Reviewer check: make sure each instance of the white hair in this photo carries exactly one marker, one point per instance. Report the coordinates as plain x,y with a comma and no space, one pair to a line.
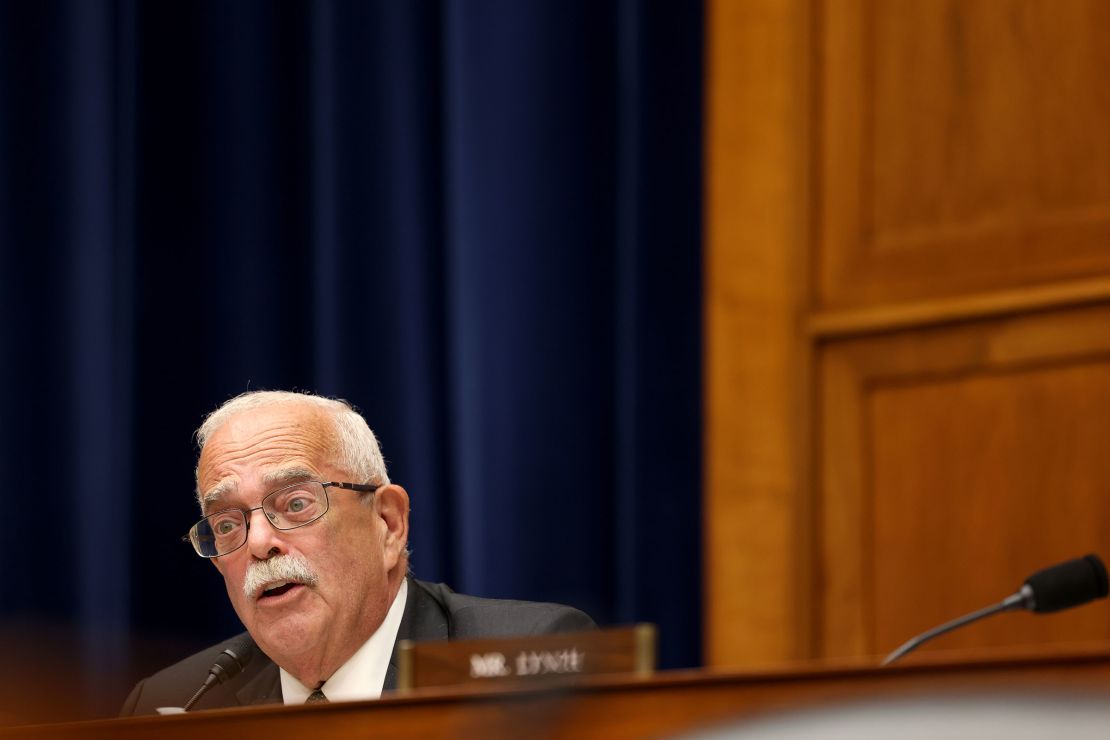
357,447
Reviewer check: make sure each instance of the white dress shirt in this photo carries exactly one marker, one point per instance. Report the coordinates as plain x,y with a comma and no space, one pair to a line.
363,675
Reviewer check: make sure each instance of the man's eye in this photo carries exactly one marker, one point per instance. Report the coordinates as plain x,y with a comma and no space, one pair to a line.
224,527
297,505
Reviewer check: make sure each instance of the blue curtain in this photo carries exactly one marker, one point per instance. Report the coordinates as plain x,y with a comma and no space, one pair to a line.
478,221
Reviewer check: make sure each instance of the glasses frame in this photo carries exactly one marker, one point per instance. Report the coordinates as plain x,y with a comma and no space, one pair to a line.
360,487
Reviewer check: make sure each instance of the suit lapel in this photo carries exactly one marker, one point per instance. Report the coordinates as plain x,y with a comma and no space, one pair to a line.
424,619
263,688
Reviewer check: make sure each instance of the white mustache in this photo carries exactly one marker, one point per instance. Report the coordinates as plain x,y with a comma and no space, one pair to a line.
278,568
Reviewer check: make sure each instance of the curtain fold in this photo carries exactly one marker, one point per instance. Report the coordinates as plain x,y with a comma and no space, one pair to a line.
478,221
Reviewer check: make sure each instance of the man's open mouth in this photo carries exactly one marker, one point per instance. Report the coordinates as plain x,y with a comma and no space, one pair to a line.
277,589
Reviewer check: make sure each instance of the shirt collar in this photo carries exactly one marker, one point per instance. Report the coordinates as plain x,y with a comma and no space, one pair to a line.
363,675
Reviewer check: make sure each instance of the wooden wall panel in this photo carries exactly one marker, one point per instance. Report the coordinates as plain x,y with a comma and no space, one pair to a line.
966,147
957,461
757,523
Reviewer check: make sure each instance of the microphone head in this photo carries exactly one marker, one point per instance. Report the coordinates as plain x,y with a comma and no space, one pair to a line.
1068,584
234,658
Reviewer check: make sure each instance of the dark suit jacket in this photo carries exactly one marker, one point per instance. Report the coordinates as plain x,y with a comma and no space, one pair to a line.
432,612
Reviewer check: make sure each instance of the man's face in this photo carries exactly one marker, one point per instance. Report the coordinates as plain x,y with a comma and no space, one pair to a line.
351,548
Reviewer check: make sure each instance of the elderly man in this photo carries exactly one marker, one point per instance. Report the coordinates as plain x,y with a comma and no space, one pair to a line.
310,537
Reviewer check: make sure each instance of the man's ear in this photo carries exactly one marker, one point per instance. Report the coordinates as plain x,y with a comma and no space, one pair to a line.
392,504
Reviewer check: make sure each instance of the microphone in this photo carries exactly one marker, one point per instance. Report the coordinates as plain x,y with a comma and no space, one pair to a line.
229,664
1062,586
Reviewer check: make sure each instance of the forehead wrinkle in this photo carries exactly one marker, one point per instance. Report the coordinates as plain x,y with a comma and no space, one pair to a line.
270,445
266,452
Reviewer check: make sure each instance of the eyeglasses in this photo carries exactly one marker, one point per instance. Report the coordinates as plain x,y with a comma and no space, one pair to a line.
286,508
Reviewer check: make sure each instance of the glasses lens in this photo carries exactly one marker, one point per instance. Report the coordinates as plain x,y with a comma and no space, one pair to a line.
295,506
219,533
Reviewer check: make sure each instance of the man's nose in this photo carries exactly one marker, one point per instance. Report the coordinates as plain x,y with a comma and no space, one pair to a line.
263,539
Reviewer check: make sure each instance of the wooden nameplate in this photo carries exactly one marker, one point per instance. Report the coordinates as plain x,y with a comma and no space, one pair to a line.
557,657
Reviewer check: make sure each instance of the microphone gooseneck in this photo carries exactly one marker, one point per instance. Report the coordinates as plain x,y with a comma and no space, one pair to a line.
1062,586
229,664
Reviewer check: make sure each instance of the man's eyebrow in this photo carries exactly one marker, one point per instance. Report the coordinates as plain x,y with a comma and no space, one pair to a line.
218,492
294,474
273,479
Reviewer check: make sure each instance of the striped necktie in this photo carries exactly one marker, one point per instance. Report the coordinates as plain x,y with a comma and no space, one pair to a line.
316,696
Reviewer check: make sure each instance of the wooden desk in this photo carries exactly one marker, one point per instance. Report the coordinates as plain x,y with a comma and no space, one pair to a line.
608,707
